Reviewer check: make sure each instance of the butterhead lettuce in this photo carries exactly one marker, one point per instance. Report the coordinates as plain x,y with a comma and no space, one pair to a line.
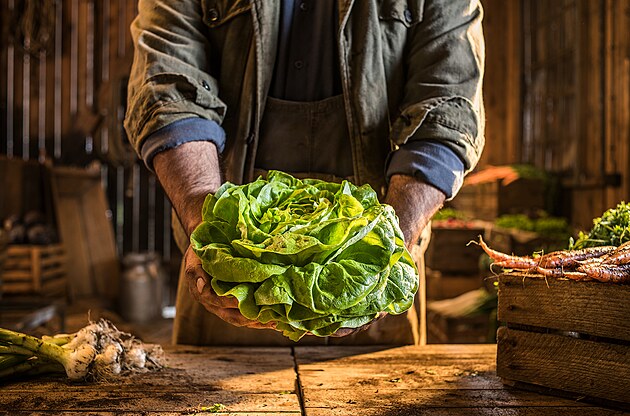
309,255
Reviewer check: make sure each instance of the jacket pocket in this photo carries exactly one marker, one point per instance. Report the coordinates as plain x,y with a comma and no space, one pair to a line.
218,12
407,12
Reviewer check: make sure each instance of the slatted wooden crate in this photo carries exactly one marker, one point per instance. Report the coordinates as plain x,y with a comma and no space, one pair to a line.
571,337
448,251
487,201
34,269
443,329
523,243
3,249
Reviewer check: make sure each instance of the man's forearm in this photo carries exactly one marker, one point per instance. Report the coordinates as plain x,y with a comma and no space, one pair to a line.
188,173
415,202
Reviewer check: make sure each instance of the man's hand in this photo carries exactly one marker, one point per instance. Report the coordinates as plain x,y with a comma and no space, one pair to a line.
188,173
344,332
415,202
225,307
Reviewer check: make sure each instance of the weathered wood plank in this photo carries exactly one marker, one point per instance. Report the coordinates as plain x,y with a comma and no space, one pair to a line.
452,377
197,411
196,367
592,308
161,400
432,379
244,380
432,398
395,410
376,353
261,381
580,366
431,366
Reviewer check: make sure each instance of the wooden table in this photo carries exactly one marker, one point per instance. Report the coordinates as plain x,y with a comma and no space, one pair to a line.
316,381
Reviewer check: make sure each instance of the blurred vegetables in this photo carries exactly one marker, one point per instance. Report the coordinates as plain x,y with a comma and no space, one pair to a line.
546,226
29,229
449,214
452,218
612,228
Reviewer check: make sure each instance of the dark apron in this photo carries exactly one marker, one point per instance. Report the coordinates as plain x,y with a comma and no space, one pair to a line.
318,147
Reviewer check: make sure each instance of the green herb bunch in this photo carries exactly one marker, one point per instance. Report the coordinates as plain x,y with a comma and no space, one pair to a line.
612,228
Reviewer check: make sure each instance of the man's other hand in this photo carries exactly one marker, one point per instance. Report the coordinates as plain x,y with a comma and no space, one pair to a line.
225,307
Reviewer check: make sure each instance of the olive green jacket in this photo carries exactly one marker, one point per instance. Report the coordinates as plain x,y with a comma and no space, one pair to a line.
410,70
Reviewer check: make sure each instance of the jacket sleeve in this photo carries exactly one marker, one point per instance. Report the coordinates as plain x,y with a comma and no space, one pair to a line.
170,77
442,101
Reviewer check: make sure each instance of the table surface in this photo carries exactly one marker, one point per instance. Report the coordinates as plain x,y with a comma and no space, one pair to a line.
316,381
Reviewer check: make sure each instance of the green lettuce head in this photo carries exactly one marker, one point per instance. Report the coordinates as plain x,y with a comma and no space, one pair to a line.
309,255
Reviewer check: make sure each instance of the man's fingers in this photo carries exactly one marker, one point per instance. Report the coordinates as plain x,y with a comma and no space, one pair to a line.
234,317
202,291
225,307
199,284
344,332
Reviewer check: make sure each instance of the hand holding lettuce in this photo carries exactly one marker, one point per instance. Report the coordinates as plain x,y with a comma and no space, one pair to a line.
307,255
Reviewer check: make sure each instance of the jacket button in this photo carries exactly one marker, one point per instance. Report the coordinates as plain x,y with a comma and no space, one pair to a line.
213,15
205,85
408,16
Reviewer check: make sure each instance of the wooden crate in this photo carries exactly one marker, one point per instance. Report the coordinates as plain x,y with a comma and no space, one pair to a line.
34,269
465,319
448,250
487,201
4,240
571,337
443,329
87,233
523,243
445,285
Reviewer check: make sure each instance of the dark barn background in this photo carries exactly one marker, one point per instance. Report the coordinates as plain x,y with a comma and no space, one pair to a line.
557,95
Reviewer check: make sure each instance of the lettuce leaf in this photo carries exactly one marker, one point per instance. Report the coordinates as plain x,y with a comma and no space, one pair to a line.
310,255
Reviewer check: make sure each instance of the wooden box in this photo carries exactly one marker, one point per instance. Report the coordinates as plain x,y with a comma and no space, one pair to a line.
523,243
466,319
4,240
35,270
570,337
448,250
446,286
488,200
442,329
87,233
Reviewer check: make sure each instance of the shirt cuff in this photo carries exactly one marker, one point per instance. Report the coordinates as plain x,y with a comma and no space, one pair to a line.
192,129
433,162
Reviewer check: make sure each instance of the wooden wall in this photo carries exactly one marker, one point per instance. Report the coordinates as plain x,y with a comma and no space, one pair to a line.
502,81
557,95
63,72
576,94
617,98
556,91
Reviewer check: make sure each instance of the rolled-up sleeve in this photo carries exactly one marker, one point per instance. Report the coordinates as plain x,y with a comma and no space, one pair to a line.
170,79
442,102
180,132
432,162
